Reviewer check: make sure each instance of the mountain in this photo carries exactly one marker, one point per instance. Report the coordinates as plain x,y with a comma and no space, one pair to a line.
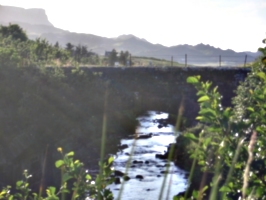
35,22
31,16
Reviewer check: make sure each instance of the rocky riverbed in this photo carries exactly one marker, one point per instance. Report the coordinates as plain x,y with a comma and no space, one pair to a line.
147,166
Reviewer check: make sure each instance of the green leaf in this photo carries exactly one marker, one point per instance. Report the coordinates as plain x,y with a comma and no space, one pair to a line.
19,183
208,84
192,80
214,129
204,98
261,75
207,111
260,191
64,190
195,194
110,160
59,163
199,93
226,112
199,117
88,177
201,162
76,162
71,153
52,190
66,177
207,141
259,129
178,198
261,97
205,188
215,89
250,109
198,77
3,192
224,189
231,185
191,136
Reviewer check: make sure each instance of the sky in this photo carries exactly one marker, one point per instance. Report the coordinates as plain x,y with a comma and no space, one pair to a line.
228,24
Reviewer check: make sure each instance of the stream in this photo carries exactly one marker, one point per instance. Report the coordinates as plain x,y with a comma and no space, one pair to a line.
146,172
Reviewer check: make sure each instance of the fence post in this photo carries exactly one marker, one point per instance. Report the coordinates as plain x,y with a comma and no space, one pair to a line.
172,61
220,60
185,60
245,60
129,60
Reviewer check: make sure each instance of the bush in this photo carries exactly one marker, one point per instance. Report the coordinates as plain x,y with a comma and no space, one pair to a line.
231,142
72,171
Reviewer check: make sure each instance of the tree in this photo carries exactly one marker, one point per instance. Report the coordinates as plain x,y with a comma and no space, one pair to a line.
84,51
112,58
78,53
15,31
123,58
56,45
70,48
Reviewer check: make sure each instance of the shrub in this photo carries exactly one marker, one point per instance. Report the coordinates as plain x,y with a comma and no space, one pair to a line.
230,145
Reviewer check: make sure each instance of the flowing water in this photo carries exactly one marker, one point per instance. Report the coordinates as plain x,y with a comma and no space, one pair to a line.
146,172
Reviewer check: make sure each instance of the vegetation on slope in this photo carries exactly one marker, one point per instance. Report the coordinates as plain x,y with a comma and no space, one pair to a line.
43,108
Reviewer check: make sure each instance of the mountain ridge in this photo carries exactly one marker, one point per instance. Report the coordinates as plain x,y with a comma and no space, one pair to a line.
35,22
17,14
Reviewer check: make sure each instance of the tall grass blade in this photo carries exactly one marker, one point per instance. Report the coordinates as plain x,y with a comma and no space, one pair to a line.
250,158
103,136
232,167
43,172
172,147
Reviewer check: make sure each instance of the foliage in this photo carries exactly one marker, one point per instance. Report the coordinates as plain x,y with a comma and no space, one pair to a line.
72,171
230,145
17,50
37,101
123,58
15,31
112,58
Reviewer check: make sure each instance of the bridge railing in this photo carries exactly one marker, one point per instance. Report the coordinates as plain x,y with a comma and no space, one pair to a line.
187,60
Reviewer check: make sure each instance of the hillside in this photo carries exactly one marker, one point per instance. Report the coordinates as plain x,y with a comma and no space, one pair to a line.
35,22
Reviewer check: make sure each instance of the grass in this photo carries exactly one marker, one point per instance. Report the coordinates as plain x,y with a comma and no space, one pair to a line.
154,62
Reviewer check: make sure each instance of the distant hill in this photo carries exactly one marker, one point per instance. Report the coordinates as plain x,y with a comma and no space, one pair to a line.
30,16
35,22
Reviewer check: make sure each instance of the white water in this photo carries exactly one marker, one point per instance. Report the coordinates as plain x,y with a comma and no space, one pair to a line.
144,150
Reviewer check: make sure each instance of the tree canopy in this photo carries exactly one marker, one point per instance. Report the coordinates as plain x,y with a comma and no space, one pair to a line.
15,31
17,50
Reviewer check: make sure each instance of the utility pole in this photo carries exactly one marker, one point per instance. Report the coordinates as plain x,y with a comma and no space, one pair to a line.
185,60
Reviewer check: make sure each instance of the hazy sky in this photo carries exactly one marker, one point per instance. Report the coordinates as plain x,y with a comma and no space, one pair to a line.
229,24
